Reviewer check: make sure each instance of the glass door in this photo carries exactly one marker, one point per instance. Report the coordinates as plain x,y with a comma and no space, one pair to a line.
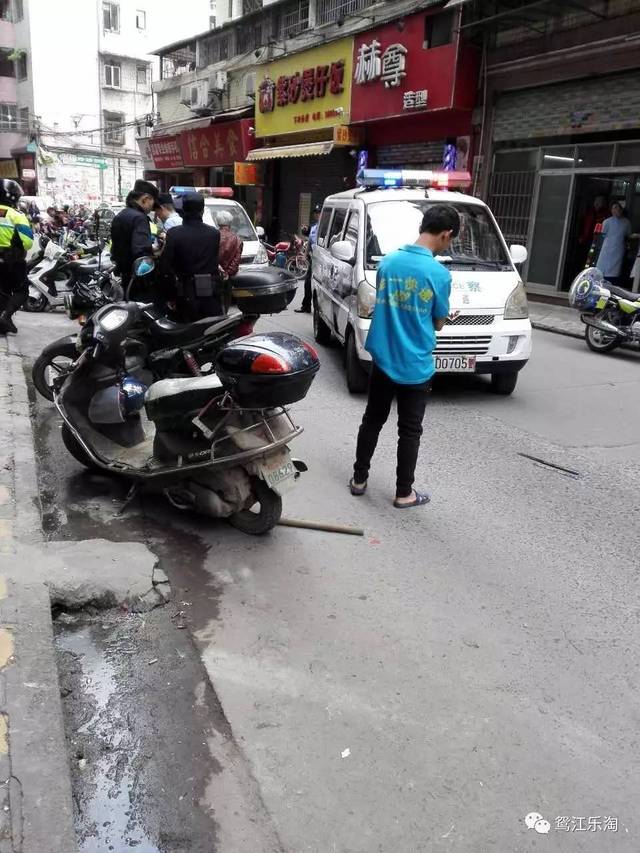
547,240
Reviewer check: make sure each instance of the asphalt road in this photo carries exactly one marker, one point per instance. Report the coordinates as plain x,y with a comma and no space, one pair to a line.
425,687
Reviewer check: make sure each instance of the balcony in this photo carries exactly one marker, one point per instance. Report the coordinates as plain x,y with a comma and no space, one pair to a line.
178,62
251,6
330,11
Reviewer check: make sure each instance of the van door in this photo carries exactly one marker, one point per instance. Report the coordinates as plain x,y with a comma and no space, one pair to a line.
321,263
332,283
346,275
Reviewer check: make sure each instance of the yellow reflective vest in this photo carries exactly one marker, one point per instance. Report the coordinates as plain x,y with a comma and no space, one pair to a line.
13,222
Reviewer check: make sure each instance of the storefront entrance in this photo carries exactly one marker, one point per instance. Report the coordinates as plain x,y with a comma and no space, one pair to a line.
551,200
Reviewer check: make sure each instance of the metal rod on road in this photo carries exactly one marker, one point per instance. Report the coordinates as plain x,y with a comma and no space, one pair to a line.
318,525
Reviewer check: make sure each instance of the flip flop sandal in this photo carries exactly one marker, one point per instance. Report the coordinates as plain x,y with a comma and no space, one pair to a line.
357,491
420,500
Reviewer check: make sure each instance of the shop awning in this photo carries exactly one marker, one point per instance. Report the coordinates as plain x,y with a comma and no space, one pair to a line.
308,149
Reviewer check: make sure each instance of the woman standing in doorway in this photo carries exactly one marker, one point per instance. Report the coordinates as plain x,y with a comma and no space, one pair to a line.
616,230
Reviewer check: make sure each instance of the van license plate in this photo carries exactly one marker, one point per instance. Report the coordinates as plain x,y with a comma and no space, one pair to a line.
455,363
279,473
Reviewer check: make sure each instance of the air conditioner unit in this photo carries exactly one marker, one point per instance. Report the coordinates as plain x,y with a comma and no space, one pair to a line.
250,85
195,95
185,95
218,81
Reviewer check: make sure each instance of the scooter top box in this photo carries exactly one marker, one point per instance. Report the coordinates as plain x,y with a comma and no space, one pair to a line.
267,290
266,370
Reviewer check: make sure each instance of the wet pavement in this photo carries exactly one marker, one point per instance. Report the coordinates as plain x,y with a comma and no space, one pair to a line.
422,688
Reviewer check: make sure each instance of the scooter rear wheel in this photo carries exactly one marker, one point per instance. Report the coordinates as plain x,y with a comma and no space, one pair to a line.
269,509
49,364
35,301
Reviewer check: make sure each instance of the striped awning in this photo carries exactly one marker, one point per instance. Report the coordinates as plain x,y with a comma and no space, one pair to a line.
308,149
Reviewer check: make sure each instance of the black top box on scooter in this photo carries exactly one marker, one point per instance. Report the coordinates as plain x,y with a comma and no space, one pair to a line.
267,370
265,290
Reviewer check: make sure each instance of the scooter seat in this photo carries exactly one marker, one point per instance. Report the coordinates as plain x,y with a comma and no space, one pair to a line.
622,293
174,399
175,333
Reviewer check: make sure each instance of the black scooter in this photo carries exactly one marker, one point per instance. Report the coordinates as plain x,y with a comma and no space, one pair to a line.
215,444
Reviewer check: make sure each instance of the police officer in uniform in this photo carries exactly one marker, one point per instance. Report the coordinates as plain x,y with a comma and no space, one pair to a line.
131,236
190,263
16,238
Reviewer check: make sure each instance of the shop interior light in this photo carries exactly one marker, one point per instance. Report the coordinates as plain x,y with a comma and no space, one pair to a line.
207,192
413,178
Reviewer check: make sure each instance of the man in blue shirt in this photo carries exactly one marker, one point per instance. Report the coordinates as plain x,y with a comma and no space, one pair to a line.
412,304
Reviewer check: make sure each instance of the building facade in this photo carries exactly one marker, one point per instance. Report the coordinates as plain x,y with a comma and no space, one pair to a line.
561,127
70,115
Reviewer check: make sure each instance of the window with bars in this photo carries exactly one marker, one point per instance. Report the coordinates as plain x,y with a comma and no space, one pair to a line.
249,37
22,68
7,67
8,117
5,10
334,10
250,6
111,17
141,20
214,49
18,10
294,18
23,119
112,73
142,76
113,128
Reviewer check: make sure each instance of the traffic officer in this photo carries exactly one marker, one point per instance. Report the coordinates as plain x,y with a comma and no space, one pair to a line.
131,236
16,238
305,307
190,263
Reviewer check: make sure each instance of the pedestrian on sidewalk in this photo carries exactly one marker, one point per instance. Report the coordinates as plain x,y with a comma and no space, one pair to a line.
230,253
616,230
412,304
305,307
16,238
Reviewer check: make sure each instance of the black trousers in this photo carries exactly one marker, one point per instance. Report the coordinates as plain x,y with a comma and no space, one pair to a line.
306,302
14,286
412,401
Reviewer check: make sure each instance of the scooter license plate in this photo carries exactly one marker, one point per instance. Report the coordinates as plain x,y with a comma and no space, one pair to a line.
278,472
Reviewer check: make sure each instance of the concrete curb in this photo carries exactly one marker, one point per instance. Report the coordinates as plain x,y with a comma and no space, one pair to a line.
545,327
37,795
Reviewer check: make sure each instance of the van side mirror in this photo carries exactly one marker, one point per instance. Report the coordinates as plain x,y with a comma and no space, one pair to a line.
342,250
518,254
260,232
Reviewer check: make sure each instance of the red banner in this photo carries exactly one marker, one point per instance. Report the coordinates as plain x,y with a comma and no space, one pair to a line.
165,151
396,74
218,145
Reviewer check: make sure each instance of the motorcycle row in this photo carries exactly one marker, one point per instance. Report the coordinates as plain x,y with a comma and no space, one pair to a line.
197,412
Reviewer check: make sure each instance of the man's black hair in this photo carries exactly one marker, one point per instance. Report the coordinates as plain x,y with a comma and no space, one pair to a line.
440,217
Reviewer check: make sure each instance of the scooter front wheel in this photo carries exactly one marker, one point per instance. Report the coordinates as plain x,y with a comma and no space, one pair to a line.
599,341
53,362
263,515
35,301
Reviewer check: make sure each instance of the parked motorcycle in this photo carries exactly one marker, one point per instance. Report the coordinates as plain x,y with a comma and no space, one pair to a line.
611,314
168,349
214,444
56,272
290,255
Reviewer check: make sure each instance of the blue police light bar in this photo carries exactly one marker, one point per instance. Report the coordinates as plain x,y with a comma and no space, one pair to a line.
208,192
413,178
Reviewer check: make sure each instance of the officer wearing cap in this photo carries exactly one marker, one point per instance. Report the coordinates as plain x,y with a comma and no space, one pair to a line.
305,307
16,238
166,212
190,263
131,236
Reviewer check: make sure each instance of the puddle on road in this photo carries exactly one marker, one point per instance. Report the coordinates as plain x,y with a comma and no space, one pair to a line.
107,816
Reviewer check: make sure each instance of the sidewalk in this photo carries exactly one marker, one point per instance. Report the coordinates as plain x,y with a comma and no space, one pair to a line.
36,813
560,319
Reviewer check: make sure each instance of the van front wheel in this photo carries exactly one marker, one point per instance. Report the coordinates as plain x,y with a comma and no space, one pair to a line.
357,379
504,383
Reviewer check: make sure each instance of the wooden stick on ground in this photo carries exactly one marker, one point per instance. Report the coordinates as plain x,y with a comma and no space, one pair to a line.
318,525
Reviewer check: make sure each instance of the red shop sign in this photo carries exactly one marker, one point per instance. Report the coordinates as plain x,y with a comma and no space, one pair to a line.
394,74
166,152
219,145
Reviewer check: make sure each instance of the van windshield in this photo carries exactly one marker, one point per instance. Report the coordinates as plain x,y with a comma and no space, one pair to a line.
394,223
241,224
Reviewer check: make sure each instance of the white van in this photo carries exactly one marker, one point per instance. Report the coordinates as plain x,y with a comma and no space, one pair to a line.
488,330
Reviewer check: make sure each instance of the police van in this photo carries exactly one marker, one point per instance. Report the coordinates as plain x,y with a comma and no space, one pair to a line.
488,330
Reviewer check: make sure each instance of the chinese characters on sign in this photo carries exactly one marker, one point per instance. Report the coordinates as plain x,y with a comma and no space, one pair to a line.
587,824
301,86
414,100
166,152
390,66
216,145
345,135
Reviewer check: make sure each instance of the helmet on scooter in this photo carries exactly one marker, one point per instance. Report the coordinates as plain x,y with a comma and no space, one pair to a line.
587,289
10,192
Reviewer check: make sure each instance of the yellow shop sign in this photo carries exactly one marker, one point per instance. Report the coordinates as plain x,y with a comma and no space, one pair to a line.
306,91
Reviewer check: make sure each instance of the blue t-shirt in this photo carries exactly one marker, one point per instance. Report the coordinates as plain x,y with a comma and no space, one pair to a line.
413,290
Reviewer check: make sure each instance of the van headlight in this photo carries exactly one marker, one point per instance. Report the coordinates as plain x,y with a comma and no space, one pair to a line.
517,307
261,255
366,300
